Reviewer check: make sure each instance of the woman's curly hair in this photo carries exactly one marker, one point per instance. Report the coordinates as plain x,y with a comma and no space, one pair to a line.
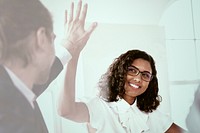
112,82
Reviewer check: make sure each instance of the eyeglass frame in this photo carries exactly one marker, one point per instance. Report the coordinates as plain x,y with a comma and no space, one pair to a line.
139,72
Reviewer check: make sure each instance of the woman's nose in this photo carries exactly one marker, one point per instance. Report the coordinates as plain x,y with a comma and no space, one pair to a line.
138,78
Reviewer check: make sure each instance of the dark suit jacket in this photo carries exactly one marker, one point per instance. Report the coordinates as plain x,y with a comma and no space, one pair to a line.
16,113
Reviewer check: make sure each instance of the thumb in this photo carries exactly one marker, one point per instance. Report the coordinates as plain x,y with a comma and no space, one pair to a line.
91,28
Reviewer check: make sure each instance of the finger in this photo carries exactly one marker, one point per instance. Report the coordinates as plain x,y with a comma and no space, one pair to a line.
91,28
84,13
71,15
78,10
65,21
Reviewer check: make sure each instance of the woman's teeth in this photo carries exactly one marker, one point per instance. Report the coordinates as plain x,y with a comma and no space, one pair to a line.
135,86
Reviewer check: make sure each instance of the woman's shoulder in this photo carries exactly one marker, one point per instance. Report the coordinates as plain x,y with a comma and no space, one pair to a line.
162,117
96,103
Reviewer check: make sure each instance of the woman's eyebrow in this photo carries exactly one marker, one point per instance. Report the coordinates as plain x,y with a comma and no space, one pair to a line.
139,69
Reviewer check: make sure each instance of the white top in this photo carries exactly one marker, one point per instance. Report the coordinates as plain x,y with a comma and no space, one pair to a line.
120,117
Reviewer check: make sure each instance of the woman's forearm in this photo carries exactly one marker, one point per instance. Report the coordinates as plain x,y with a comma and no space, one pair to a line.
68,107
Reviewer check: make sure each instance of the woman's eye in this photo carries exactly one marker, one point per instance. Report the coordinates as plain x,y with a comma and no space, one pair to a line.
132,70
146,75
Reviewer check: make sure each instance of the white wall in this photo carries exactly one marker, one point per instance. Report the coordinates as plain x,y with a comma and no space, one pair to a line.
181,21
169,30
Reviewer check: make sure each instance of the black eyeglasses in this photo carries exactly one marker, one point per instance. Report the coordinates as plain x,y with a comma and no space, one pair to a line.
134,71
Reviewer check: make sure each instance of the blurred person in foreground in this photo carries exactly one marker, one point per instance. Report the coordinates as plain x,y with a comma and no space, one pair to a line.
27,60
193,117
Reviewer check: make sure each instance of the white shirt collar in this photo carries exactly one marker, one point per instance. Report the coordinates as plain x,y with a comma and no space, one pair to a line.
30,96
131,118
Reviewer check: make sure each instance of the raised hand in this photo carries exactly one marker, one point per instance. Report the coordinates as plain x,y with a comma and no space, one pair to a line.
76,36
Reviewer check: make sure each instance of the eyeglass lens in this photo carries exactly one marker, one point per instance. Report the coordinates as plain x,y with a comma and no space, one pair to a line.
134,71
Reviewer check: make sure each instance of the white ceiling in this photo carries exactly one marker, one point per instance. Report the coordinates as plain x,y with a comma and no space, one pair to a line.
145,12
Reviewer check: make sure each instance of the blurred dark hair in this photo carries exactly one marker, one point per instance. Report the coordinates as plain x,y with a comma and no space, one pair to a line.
112,82
19,22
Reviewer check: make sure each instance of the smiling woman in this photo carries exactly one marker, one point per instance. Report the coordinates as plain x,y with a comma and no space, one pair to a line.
117,81
127,102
